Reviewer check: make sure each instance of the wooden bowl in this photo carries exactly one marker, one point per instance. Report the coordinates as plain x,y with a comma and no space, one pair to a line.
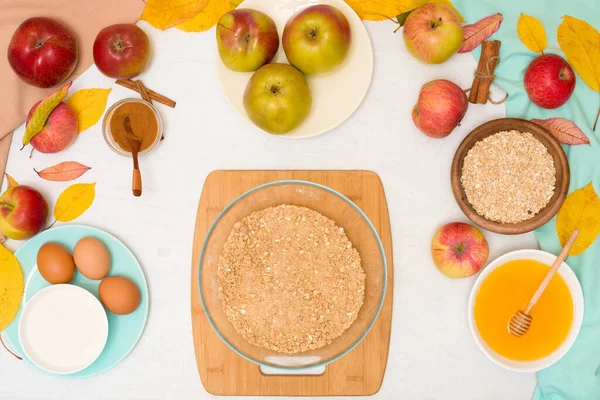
560,164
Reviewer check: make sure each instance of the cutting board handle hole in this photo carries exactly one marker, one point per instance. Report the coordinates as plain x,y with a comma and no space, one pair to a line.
311,371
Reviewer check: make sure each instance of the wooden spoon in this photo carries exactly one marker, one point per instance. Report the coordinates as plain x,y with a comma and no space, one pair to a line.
520,322
135,143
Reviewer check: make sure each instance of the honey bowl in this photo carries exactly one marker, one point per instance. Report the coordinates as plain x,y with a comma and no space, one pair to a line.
505,286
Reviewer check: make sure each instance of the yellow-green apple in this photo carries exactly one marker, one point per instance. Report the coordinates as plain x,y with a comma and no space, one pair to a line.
440,108
549,81
23,212
247,39
459,250
277,98
59,131
122,51
42,52
433,33
317,39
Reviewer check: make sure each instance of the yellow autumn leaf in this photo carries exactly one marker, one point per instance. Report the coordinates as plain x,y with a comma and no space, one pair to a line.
163,14
379,10
235,3
581,210
11,182
88,105
73,201
532,33
207,18
581,44
12,285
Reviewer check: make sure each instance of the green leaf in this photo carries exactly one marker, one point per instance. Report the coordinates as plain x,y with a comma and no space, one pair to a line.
42,111
401,18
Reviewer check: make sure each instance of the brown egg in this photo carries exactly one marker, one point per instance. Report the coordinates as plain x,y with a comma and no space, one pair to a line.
119,295
55,263
92,258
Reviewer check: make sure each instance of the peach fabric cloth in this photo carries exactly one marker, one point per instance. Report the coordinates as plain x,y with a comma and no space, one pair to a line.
84,17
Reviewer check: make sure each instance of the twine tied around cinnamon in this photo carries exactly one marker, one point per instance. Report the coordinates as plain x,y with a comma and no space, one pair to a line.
479,93
489,75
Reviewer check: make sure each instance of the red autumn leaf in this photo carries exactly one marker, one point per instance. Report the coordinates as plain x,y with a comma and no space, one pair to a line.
475,34
563,130
63,172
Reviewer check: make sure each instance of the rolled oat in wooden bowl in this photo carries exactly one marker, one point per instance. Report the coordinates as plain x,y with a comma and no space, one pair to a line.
510,176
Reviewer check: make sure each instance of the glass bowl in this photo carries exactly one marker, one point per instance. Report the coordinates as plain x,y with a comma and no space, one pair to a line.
333,205
108,137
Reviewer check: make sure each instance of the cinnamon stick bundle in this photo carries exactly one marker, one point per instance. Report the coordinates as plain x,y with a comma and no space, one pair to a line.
139,87
484,76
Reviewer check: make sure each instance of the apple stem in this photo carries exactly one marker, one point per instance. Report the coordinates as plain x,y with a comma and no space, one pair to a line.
7,349
6,205
596,122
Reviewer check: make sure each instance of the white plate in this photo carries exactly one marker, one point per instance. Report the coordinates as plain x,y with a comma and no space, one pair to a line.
63,329
576,293
336,95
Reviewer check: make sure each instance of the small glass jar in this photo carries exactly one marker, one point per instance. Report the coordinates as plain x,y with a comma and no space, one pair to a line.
108,137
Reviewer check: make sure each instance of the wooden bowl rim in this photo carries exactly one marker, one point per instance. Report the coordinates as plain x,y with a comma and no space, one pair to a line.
561,165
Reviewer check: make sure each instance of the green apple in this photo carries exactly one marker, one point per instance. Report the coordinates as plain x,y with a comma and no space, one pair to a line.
247,39
317,39
433,33
277,98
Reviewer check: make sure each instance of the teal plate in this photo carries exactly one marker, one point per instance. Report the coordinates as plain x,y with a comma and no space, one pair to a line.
124,331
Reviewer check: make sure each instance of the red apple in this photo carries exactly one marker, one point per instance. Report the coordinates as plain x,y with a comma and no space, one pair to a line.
60,129
23,212
549,81
317,39
440,108
432,33
459,250
122,51
42,52
247,39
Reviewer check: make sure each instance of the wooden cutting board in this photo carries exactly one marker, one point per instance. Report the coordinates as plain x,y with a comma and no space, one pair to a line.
358,373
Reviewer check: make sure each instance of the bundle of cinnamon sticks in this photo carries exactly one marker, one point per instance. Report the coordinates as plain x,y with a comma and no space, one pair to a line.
147,94
484,76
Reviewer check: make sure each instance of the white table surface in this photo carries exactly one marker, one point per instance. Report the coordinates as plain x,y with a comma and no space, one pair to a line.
432,354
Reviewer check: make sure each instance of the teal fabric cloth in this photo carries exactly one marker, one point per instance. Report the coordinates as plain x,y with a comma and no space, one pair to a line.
577,375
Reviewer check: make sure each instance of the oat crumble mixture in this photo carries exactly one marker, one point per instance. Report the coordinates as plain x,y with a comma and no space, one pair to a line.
509,176
289,279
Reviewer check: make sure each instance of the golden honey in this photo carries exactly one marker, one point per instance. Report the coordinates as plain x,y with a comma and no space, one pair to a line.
507,289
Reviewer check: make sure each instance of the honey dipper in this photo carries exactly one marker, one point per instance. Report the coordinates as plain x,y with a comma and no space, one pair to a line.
520,322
